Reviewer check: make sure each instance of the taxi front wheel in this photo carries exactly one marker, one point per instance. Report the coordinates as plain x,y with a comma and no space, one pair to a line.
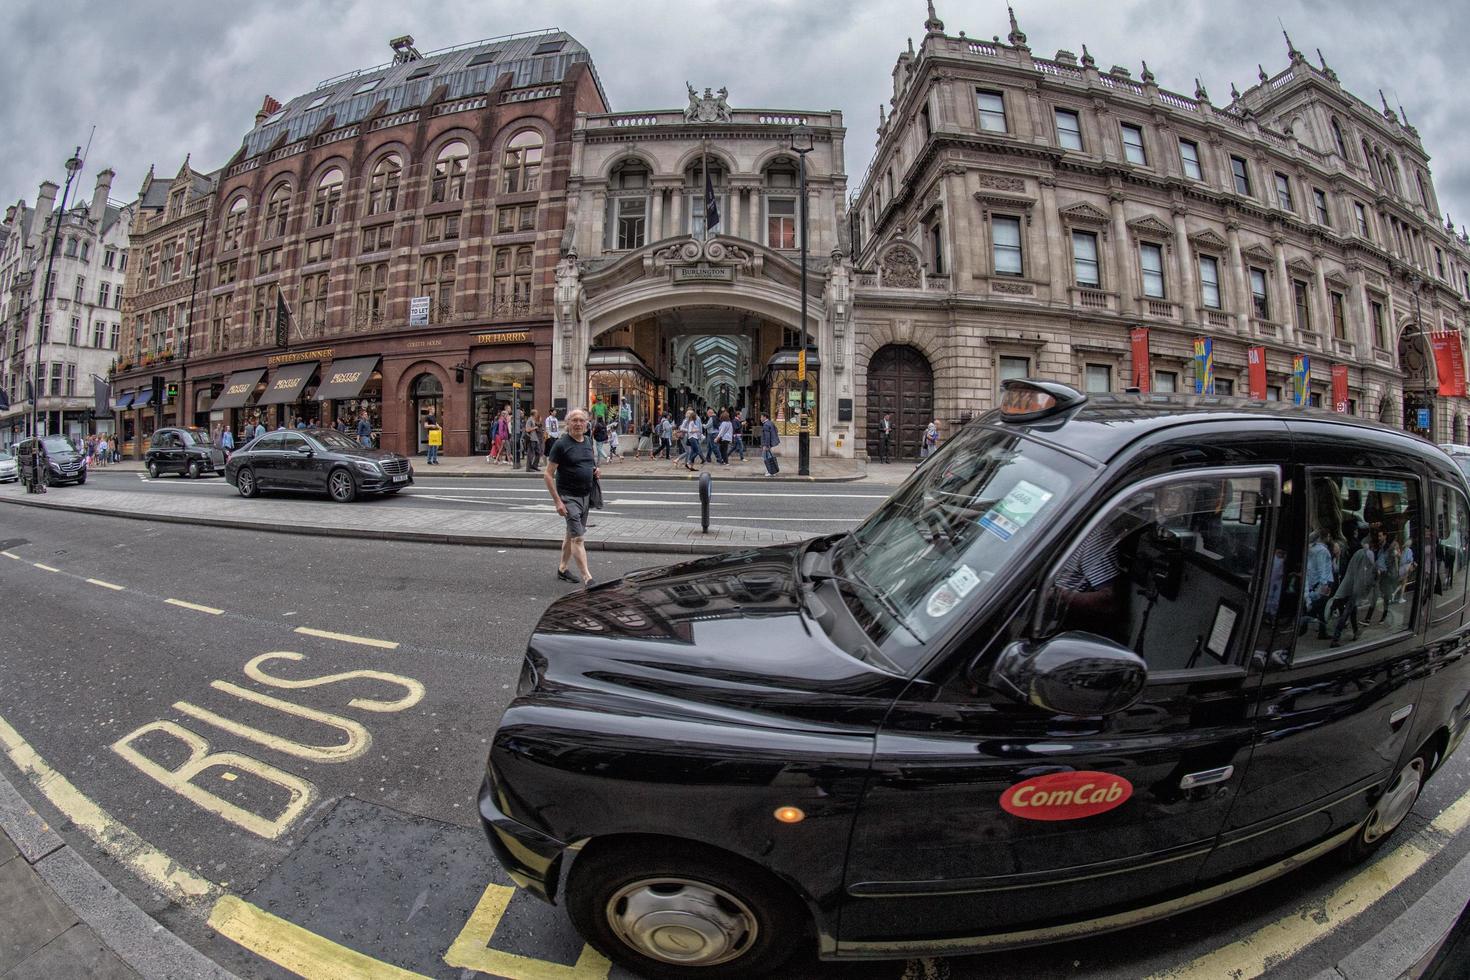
1392,807
671,909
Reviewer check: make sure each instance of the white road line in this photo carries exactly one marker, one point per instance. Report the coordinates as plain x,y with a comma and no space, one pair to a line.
45,568
722,518
9,555
105,585
366,641
416,489
194,606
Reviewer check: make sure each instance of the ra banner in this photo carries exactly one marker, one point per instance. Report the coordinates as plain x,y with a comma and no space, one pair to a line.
1339,389
1142,371
1204,371
1256,361
1449,362
1301,379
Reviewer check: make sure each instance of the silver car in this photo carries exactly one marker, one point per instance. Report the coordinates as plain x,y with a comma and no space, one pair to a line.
9,468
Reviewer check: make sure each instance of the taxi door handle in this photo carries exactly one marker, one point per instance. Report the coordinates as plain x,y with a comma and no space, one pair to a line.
1207,777
1397,718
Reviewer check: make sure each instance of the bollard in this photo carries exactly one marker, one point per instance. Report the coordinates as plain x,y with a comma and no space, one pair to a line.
706,487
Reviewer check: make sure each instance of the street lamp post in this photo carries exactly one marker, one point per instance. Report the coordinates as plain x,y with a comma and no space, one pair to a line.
72,166
801,142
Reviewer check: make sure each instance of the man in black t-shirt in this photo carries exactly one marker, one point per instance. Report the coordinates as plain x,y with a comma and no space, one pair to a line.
571,467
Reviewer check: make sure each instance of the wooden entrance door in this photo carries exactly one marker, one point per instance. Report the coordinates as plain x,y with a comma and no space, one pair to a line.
899,381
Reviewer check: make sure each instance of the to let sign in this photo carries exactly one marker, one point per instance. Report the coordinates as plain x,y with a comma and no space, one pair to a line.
418,311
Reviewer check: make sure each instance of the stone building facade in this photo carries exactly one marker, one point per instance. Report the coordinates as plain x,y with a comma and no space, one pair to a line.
161,297
1023,216
79,322
653,312
408,218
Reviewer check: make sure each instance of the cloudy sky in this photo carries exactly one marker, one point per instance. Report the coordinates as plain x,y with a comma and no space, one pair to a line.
159,80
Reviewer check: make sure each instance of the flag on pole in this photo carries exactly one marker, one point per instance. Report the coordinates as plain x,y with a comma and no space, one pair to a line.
1204,372
283,320
711,206
101,397
4,401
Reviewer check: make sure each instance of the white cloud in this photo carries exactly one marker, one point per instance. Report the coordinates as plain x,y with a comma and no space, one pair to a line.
162,80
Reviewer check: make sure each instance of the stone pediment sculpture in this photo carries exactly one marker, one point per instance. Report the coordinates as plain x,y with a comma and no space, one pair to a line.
1083,213
1259,253
1301,267
1208,240
899,267
710,107
693,254
1150,227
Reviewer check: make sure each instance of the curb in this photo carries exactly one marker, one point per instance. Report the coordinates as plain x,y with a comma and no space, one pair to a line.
522,474
423,537
134,937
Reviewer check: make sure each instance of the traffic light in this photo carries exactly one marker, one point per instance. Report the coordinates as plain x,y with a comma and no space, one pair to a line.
157,389
173,391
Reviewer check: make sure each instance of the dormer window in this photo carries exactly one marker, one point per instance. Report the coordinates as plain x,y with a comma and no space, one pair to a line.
316,103
367,87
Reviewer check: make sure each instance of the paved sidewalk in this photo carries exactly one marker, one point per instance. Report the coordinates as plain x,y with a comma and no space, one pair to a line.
367,519
824,469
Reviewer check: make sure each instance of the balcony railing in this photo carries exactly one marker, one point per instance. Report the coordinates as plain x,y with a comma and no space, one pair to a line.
1344,348
1218,320
1160,308
1265,329
1092,299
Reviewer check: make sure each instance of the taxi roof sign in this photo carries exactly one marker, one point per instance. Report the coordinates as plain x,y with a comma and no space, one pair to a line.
1028,399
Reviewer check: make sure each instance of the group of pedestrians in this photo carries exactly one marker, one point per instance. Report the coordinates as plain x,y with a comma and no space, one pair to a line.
1342,575
99,450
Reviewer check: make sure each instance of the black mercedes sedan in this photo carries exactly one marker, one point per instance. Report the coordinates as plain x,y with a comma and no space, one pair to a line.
316,461
186,451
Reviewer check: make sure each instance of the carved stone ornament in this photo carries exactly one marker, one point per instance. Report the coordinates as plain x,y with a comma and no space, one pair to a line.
1150,227
1300,267
899,267
1083,213
710,107
1000,182
691,252
1259,254
1207,241
1014,288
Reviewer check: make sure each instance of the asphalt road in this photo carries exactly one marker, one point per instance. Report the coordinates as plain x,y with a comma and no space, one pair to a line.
741,503
345,803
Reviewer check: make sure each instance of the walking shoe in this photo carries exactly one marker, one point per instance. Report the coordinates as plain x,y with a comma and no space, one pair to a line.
565,575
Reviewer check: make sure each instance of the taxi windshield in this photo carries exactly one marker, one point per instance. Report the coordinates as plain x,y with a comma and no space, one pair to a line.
199,437
930,551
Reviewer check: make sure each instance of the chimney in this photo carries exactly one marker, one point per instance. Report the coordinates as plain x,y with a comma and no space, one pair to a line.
45,203
267,108
99,196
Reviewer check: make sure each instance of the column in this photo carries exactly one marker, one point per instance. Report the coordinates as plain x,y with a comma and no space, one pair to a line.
1054,271
1324,304
1288,299
1184,265
656,216
1240,281
599,222
1122,257
676,198
1363,319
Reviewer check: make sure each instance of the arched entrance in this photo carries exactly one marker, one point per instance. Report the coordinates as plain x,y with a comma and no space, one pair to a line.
1420,383
428,399
899,381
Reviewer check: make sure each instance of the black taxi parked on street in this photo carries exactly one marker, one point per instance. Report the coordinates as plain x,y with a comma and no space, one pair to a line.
1101,659
188,452
316,461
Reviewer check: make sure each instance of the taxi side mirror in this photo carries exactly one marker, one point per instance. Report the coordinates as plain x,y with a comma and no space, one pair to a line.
1073,673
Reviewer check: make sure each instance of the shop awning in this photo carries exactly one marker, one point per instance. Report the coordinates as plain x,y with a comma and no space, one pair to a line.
142,398
238,389
346,378
617,359
288,384
123,401
786,358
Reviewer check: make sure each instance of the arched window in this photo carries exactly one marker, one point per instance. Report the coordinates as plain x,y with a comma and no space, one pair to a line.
449,173
1370,163
234,226
522,164
781,179
628,206
328,198
383,185
277,211
436,281
1337,139
372,295
510,292
313,303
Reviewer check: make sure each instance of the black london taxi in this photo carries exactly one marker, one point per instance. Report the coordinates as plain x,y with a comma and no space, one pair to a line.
316,461
185,450
1100,660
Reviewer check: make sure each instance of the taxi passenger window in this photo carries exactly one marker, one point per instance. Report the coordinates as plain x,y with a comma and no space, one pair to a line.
1451,549
1171,570
1362,566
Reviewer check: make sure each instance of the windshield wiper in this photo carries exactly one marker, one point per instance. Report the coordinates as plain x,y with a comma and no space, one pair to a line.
888,604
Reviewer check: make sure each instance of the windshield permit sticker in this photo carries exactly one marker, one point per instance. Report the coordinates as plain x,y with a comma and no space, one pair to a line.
963,581
942,601
1066,795
1015,510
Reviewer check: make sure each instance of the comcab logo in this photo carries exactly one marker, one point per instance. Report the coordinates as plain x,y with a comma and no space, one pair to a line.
1066,795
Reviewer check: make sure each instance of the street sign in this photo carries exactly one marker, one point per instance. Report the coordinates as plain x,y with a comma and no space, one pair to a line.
801,366
516,385
1423,418
418,311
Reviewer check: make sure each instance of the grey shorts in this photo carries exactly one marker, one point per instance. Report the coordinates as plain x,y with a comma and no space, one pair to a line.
576,515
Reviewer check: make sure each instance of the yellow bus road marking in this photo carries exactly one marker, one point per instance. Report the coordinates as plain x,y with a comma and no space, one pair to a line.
471,949
105,585
366,641
1266,948
194,606
147,862
296,949
45,568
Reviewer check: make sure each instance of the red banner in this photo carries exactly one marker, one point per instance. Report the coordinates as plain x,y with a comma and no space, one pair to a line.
1449,362
1142,373
1256,374
1339,389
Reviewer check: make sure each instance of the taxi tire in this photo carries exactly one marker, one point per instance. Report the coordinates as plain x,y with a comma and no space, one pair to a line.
1360,848
152,470
193,472
601,870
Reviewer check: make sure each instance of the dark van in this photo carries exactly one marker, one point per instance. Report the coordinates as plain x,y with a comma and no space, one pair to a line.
59,460
1100,660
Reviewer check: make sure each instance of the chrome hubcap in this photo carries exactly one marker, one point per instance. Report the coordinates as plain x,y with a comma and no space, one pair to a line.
1397,801
341,485
247,482
688,923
